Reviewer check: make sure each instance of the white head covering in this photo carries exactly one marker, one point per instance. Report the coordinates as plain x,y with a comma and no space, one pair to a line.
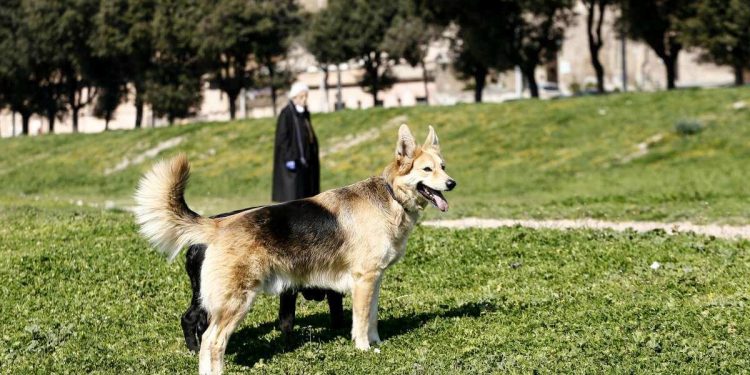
298,88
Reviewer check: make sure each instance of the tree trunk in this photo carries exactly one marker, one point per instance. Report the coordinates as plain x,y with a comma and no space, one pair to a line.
325,87
170,119
599,70
424,80
595,40
528,73
138,106
480,77
232,104
739,77
25,117
74,115
106,124
375,85
273,88
670,63
51,120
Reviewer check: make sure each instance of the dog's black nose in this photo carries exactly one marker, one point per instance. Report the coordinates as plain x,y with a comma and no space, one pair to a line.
451,184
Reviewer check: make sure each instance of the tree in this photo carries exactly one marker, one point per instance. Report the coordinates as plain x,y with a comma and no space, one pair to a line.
323,40
173,84
226,43
467,65
530,34
277,21
362,26
475,48
409,38
17,84
78,61
533,35
123,34
62,29
111,70
657,23
595,11
721,31
29,79
107,101
139,49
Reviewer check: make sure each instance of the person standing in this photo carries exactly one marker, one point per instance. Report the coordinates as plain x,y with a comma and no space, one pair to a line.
296,168
296,175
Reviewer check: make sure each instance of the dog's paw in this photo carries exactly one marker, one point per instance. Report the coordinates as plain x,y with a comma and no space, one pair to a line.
362,345
374,339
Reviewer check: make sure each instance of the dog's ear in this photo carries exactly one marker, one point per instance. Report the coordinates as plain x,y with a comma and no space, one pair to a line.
432,140
406,145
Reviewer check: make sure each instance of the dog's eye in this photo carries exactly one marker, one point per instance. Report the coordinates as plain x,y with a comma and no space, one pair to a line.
427,169
443,166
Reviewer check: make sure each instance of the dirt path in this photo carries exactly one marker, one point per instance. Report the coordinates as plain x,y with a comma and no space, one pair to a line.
720,231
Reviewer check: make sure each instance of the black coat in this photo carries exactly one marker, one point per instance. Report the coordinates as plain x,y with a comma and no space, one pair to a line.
295,140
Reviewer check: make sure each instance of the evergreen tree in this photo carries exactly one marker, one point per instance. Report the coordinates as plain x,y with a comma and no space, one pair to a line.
277,22
322,39
173,84
123,37
410,35
721,31
226,44
657,23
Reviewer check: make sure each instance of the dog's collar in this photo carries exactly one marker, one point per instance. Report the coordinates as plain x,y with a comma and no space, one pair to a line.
390,191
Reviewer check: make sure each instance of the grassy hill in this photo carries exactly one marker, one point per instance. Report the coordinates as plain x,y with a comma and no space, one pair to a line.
82,292
580,157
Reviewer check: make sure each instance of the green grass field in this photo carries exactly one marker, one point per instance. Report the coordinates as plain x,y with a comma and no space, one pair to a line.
83,293
556,159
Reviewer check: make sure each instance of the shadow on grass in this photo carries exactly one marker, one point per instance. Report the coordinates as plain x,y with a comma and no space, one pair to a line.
249,349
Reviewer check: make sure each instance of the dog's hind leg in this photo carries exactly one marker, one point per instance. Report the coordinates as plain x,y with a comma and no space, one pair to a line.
363,292
224,320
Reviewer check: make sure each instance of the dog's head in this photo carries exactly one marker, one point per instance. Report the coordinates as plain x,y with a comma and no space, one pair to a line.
418,173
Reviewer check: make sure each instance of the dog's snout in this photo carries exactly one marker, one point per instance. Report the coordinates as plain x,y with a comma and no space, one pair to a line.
451,184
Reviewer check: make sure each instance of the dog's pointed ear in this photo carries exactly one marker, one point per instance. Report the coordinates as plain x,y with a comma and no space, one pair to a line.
406,144
432,139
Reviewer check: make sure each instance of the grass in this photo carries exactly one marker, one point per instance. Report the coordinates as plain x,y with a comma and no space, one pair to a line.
557,159
83,293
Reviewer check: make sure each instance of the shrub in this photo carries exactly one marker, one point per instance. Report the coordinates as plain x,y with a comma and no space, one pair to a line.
688,127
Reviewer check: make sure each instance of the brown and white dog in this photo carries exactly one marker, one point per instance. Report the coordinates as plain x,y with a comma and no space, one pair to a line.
342,239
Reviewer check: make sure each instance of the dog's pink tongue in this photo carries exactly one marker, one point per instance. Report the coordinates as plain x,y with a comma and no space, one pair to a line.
441,203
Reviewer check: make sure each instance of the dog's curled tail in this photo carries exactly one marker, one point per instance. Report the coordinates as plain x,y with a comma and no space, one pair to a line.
161,211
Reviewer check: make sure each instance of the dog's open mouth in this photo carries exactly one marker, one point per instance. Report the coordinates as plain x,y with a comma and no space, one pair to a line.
435,197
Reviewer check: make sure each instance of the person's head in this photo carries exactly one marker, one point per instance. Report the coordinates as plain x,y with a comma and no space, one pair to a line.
298,93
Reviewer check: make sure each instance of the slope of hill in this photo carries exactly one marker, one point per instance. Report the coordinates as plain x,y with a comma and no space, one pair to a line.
613,157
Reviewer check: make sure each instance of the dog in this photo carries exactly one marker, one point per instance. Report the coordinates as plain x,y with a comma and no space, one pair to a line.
195,319
342,239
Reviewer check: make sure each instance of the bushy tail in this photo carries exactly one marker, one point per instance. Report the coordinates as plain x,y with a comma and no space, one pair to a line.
161,211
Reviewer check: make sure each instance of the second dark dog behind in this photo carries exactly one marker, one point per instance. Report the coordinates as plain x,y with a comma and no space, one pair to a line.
195,320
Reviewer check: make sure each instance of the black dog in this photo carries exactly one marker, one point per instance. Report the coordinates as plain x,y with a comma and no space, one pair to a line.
195,320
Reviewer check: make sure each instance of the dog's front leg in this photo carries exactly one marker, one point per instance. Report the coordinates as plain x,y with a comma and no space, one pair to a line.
372,332
363,292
